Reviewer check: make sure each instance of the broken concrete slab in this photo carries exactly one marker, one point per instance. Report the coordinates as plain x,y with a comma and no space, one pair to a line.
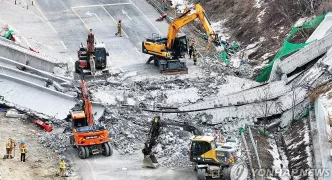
98,110
23,75
27,57
301,57
15,65
35,97
322,29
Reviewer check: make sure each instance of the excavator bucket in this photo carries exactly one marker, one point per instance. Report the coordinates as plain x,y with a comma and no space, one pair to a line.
150,161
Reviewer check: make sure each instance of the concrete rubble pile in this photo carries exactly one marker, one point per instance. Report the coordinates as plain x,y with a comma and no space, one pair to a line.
211,65
128,124
56,141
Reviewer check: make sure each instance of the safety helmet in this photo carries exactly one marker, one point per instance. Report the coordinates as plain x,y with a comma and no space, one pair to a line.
63,157
22,141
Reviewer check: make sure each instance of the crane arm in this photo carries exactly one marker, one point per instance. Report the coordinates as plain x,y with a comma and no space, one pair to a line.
204,20
206,24
176,25
186,18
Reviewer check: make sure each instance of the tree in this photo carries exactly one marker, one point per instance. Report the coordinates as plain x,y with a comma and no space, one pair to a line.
263,106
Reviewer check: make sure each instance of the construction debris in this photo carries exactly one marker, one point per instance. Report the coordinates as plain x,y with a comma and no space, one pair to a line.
13,113
57,142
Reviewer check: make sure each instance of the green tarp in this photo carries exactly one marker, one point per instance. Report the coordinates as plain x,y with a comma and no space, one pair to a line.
289,47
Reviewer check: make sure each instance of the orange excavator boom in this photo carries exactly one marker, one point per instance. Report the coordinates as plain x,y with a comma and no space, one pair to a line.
87,104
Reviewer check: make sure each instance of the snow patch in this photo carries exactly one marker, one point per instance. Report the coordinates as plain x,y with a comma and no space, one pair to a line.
258,4
300,22
220,29
181,5
260,15
277,162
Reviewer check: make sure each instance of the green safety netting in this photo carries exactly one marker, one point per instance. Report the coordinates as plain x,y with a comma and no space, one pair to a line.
228,50
224,57
264,132
288,47
7,36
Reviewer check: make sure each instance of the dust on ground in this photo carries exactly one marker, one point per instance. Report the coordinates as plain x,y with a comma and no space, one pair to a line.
41,162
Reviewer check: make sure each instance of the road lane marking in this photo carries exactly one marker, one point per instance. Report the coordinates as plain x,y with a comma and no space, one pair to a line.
114,20
98,5
98,17
45,18
63,44
87,27
146,17
138,51
91,14
125,13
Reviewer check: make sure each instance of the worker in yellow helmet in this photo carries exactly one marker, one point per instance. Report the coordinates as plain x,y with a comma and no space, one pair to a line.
23,150
10,145
62,167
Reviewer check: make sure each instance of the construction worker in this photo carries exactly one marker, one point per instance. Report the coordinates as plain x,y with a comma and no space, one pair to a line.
10,145
62,167
91,41
119,29
195,56
23,150
91,37
191,48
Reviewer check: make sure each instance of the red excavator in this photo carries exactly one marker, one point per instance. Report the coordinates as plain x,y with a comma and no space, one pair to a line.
89,136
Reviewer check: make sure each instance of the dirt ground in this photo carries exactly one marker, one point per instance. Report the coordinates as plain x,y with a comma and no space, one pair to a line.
41,162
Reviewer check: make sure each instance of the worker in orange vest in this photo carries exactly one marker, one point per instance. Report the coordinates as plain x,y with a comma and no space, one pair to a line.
23,151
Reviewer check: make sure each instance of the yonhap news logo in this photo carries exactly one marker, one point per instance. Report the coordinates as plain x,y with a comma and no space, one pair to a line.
292,172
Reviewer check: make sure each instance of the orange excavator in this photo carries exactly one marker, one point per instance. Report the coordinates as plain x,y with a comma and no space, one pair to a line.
88,136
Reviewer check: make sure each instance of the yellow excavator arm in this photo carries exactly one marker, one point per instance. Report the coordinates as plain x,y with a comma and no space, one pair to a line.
186,18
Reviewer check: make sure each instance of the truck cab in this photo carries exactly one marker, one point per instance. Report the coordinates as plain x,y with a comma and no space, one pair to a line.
100,56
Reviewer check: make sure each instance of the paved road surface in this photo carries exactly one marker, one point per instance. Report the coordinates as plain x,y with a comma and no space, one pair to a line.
124,167
71,20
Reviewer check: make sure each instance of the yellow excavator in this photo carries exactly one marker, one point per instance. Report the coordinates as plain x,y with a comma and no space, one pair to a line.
210,159
167,52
